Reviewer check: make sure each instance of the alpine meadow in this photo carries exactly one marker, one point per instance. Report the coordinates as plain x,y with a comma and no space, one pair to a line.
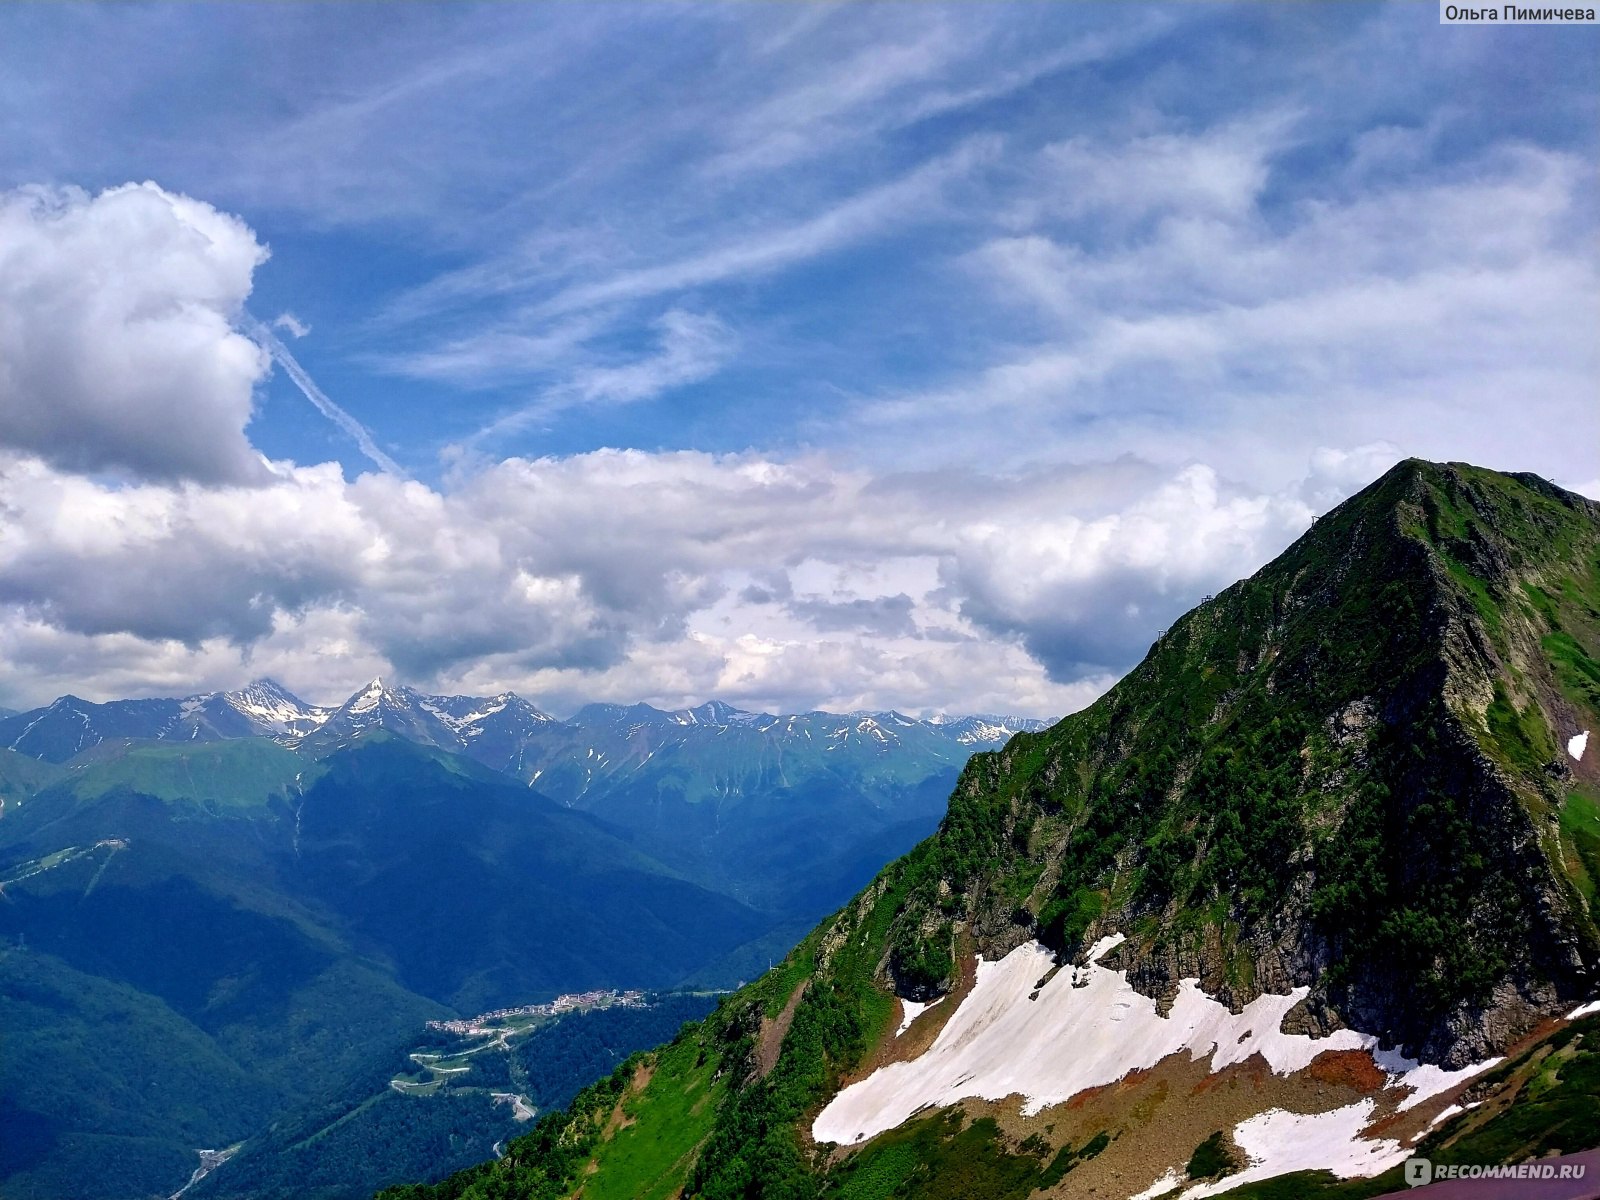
799,602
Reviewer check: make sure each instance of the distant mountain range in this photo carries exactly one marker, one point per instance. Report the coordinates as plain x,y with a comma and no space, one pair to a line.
789,813
215,908
496,730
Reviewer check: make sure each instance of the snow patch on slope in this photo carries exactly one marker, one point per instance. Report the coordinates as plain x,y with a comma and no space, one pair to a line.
1088,1027
1577,744
1448,1111
1424,1079
367,699
1160,1187
1105,946
910,1010
1278,1142
461,725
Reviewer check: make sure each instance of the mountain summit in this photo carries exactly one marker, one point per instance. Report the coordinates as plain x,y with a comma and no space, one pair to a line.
71,726
1315,879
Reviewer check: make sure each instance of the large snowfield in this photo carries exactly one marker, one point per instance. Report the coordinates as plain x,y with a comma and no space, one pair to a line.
1088,1027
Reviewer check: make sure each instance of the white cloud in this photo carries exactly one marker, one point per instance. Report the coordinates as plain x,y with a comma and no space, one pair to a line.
851,220
554,337
117,349
491,357
1410,312
1219,171
1087,595
690,347
841,98
291,324
1191,289
175,562
621,574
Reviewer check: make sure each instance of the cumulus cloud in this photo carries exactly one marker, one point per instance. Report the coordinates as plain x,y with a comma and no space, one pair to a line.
175,562
1085,595
882,616
618,574
1258,302
117,348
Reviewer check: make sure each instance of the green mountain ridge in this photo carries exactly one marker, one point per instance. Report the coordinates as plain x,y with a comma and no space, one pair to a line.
1365,802
244,772
1347,773
751,804
282,909
269,926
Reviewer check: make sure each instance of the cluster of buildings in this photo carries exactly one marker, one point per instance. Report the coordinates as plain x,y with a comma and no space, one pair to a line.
567,1002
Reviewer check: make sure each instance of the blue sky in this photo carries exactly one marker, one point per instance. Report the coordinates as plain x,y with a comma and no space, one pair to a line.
1009,330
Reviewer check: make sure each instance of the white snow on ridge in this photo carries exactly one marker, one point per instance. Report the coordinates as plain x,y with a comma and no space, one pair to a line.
983,732
368,698
1584,1010
1577,744
268,705
1277,1142
457,724
983,729
1088,1027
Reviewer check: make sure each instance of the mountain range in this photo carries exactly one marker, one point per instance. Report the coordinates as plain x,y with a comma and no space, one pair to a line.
788,813
1309,892
500,731
217,911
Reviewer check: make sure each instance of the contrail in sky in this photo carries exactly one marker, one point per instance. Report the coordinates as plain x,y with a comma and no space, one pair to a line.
274,346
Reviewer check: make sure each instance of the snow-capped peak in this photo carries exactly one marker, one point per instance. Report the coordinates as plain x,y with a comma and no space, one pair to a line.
465,715
368,698
716,712
269,706
984,728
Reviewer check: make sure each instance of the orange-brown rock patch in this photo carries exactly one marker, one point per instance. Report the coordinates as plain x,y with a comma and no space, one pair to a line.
1348,1068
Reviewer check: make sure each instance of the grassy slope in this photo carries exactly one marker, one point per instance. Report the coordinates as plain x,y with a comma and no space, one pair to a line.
21,777
1316,742
648,1154
241,773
